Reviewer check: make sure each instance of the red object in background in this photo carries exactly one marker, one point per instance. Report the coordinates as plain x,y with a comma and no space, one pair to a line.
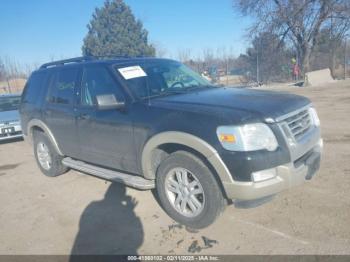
296,70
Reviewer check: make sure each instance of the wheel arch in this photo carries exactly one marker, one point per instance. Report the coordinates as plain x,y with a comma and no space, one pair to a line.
36,124
152,153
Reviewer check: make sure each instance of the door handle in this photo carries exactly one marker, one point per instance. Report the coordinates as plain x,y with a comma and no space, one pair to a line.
84,116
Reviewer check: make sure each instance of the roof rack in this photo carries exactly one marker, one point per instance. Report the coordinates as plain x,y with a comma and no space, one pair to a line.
68,61
86,58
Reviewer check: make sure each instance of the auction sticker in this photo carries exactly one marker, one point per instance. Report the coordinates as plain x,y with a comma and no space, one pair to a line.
132,72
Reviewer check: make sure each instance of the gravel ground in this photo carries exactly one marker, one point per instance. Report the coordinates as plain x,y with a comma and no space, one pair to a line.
77,213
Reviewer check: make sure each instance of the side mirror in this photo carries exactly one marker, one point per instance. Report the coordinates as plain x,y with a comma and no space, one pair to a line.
109,101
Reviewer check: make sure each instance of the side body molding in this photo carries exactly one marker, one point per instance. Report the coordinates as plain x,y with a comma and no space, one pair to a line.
187,140
38,123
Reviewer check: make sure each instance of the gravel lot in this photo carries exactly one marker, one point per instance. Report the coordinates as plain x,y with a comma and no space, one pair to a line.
77,213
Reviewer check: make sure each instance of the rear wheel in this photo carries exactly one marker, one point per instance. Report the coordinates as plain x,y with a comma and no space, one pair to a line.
188,191
47,158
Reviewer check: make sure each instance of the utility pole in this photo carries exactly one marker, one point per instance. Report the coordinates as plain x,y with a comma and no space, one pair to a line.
8,85
226,61
345,58
257,65
257,60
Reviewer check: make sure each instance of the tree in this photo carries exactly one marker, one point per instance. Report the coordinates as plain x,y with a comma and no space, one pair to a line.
114,31
263,61
297,21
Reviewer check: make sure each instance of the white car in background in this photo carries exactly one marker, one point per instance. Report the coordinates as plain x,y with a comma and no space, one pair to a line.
10,126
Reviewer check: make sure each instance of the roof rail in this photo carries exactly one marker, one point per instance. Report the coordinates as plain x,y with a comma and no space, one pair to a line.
68,61
118,56
87,58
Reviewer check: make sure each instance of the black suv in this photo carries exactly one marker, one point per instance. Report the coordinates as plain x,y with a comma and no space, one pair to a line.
154,123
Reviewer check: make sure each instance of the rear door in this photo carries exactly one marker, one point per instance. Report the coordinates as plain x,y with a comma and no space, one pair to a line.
59,111
32,98
105,136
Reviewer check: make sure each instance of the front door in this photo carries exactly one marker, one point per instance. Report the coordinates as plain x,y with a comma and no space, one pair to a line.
105,136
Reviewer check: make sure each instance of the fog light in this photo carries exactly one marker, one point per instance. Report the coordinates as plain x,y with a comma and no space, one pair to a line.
264,175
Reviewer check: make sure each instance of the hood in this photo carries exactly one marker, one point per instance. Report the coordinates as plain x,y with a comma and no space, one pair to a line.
264,104
7,116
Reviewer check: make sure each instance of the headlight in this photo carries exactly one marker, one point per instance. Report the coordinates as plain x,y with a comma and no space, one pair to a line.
314,116
248,137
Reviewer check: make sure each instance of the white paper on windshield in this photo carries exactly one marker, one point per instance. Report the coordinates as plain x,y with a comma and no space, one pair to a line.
132,72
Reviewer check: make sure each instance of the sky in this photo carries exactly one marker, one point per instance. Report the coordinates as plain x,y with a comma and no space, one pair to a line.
37,31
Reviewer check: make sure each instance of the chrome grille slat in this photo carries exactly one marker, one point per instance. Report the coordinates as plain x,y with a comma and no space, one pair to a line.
301,131
296,127
297,119
298,123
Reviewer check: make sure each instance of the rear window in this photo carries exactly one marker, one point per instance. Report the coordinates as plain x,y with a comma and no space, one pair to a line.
62,84
33,88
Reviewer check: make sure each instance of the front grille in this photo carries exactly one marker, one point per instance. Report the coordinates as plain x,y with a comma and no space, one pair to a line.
299,123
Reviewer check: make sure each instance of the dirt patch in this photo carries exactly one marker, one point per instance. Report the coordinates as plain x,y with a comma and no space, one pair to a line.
342,139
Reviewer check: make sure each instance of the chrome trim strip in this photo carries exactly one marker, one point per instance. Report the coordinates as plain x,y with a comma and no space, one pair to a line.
284,117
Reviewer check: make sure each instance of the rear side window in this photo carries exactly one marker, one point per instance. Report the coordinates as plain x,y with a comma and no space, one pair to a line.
62,84
33,88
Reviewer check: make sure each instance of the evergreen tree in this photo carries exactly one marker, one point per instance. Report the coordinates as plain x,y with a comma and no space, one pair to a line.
114,31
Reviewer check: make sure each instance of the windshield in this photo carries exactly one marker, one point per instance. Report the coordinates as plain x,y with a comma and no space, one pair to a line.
157,78
9,103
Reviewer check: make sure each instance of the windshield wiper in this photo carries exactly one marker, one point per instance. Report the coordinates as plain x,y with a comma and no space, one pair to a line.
168,92
165,93
200,86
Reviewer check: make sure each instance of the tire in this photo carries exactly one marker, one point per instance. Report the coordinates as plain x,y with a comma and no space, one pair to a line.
53,166
211,199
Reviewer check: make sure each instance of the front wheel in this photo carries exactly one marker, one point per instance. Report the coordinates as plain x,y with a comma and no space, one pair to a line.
188,191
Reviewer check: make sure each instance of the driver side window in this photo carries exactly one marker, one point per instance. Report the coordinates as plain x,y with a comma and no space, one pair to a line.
97,80
172,77
175,77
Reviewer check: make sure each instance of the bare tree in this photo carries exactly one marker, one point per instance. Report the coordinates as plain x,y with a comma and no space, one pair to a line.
337,32
2,71
161,51
10,68
299,21
29,68
184,55
265,62
208,56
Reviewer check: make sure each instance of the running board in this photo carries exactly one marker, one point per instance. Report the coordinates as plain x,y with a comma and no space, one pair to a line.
115,176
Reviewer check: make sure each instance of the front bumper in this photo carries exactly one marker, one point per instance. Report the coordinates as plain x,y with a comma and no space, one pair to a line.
3,138
287,176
